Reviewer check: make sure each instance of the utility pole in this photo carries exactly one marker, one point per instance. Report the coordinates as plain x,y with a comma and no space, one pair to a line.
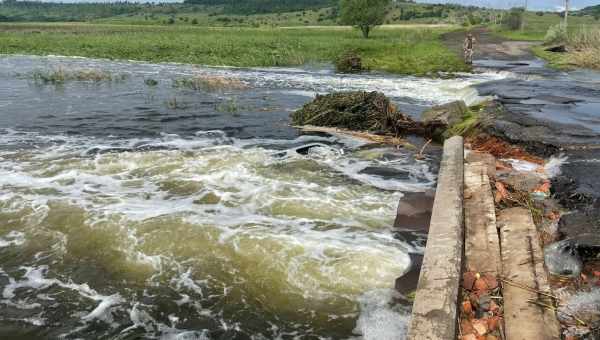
566,12
524,15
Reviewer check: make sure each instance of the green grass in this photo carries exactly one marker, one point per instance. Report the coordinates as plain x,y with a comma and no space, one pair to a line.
469,122
554,60
61,76
417,51
583,47
536,26
213,18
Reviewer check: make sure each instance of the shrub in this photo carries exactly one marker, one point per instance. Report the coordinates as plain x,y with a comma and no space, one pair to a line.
514,19
348,62
556,34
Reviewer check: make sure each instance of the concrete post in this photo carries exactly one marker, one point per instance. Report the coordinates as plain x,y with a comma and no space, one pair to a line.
434,314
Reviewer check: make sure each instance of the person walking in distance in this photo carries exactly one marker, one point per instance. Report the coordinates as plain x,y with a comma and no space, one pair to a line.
468,48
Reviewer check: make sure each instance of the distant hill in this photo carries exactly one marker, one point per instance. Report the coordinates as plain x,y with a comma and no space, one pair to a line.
264,6
250,13
591,10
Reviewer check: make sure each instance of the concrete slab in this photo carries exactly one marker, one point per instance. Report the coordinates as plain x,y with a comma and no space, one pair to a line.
434,315
523,264
482,244
485,158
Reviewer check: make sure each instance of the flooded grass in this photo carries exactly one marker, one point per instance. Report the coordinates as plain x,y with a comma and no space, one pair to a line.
416,51
151,82
61,76
228,106
209,83
176,104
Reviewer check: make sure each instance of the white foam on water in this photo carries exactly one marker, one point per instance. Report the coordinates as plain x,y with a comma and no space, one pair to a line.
13,238
521,165
378,320
321,226
553,165
35,278
256,196
429,91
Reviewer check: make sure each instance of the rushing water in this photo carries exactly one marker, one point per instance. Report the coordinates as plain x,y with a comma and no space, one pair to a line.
125,215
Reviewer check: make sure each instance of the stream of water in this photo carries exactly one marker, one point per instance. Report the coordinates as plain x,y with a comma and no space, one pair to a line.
130,210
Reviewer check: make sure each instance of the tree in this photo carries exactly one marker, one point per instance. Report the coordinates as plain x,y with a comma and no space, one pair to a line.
514,19
364,14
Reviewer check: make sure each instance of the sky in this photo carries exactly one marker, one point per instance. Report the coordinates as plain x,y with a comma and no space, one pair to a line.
550,5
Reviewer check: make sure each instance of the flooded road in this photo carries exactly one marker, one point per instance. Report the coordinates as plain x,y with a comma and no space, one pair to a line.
134,208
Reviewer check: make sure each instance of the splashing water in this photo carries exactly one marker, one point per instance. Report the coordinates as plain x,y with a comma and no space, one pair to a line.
122,217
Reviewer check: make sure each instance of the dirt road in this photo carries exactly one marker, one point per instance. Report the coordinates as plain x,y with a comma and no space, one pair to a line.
489,46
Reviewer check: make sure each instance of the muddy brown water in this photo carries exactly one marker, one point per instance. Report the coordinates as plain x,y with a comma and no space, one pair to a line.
132,210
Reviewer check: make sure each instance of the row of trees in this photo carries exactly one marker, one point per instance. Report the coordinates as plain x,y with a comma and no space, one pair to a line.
263,6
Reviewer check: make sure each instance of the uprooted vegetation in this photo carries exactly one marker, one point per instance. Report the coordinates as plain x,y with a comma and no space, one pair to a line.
210,83
360,111
61,76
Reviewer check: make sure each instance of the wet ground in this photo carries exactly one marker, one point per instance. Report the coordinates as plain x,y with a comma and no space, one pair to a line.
554,113
489,46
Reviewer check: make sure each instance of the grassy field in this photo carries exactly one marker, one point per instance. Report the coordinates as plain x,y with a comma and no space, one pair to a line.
192,16
416,51
582,39
536,26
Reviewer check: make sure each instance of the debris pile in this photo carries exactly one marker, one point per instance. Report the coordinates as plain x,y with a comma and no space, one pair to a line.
501,149
481,309
360,111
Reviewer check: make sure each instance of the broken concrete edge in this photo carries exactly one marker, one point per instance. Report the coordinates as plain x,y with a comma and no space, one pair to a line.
482,245
434,313
523,265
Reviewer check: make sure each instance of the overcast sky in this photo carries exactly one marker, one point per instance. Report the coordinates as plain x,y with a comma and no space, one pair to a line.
532,4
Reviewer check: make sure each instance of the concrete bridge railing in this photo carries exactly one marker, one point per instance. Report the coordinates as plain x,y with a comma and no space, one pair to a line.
434,312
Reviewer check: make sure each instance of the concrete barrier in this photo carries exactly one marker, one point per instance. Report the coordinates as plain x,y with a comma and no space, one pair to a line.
434,314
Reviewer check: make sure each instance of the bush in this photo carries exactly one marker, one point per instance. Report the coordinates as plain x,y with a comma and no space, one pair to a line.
514,19
474,20
348,62
556,34
539,14
194,21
